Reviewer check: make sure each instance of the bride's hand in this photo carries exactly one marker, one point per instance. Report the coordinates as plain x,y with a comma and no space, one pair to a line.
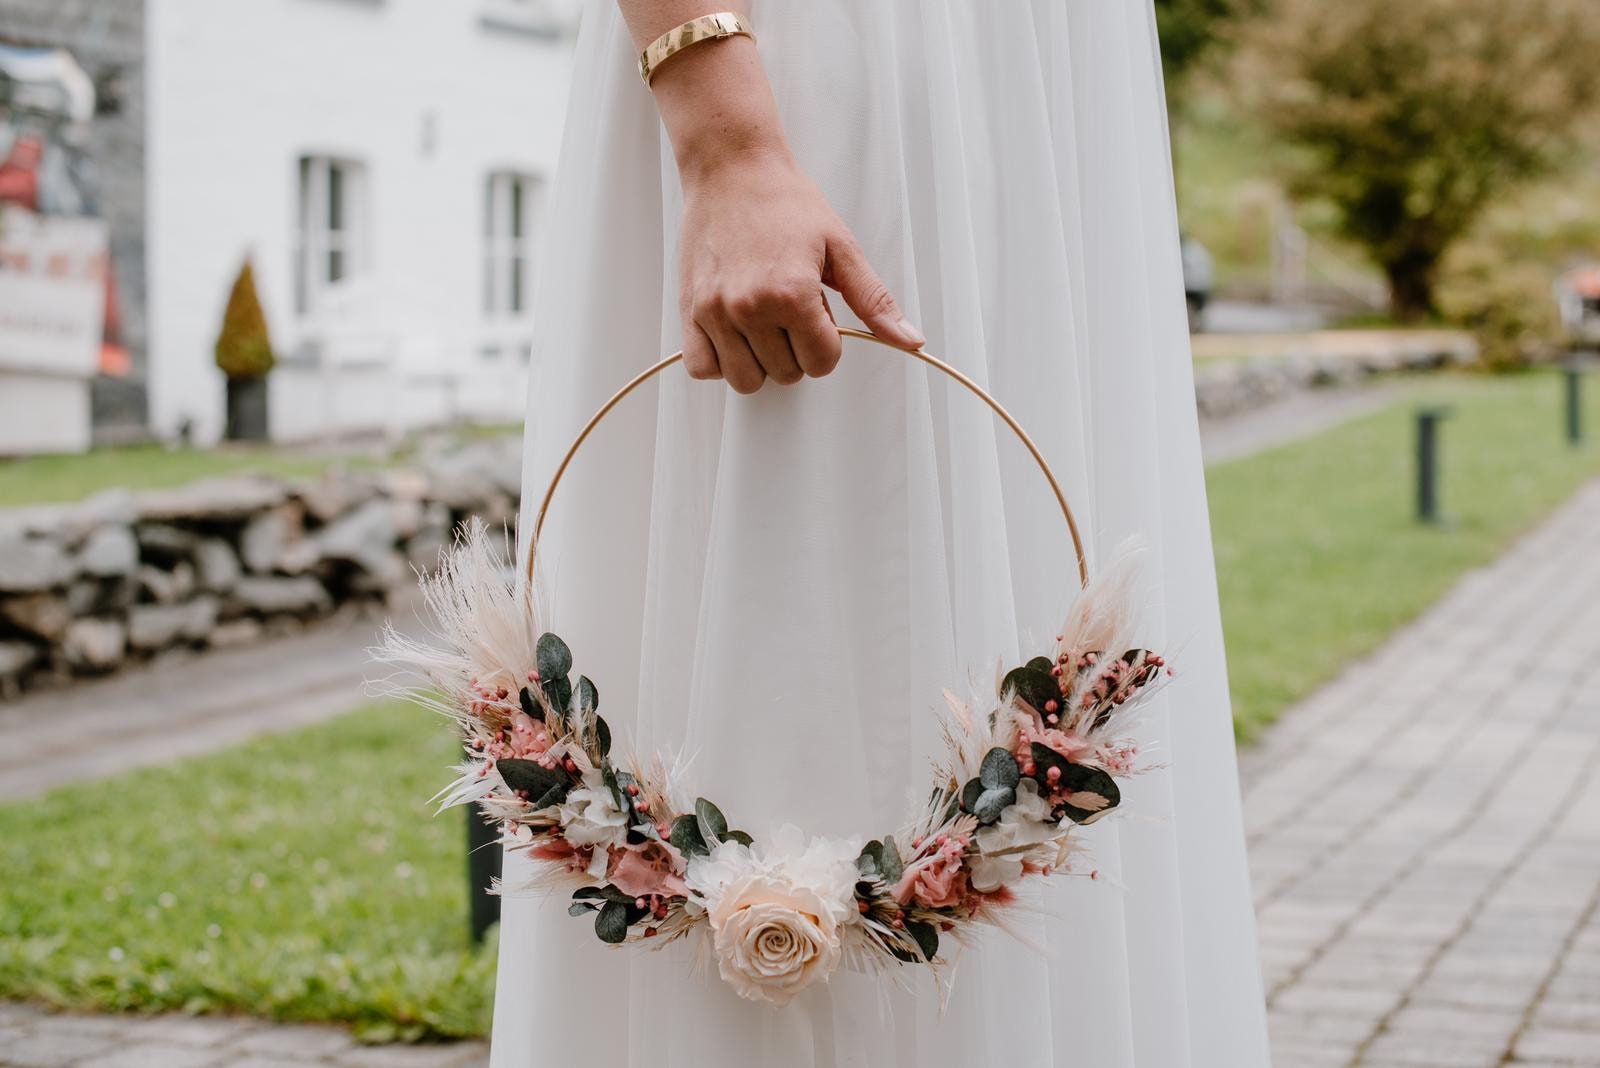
759,243
759,240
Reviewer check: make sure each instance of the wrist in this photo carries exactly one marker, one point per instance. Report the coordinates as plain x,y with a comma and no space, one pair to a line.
728,152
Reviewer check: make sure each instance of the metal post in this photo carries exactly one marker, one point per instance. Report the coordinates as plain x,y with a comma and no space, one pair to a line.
483,867
1428,420
1574,377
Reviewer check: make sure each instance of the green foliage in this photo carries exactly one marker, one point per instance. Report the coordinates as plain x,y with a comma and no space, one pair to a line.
1318,556
1509,305
1192,30
1413,118
302,876
244,347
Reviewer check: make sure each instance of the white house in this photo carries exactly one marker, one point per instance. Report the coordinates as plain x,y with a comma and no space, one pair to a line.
383,163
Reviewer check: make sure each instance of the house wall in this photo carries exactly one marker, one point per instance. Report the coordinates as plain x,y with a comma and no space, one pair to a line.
430,97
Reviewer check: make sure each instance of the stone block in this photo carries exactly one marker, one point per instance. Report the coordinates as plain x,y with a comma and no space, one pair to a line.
95,644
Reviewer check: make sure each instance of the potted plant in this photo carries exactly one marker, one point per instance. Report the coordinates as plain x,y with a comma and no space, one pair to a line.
244,353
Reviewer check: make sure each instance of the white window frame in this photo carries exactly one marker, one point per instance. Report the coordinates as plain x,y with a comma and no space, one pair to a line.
511,210
330,247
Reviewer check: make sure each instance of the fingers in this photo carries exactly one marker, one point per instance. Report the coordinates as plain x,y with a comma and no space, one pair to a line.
699,356
848,271
772,348
737,361
815,340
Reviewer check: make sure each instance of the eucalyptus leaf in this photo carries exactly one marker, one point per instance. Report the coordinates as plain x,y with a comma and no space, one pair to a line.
557,691
868,861
588,695
578,908
992,802
553,657
1032,687
602,736
740,837
890,863
531,776
970,794
1084,780
686,837
611,924
999,769
529,705
927,936
585,892
713,824
1040,663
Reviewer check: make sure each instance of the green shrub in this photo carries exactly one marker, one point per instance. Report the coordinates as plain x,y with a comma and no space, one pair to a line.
244,347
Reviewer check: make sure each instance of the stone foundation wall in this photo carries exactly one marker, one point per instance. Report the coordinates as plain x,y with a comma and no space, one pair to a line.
86,589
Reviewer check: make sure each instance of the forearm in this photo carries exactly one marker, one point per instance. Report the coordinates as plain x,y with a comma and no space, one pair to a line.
714,97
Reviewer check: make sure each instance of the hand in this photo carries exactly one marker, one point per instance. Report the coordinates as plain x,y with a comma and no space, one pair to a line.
759,243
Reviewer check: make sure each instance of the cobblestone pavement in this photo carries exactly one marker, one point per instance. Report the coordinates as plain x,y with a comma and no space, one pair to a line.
1425,831
31,1038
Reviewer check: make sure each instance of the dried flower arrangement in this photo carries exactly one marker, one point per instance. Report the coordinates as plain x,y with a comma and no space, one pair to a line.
653,863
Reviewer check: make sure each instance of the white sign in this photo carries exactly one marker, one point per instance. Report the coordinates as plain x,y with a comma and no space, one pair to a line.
52,292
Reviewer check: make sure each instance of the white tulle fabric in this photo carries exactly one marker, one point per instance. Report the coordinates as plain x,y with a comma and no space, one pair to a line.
782,584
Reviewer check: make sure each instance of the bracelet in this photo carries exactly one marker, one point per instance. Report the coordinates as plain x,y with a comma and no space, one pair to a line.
705,28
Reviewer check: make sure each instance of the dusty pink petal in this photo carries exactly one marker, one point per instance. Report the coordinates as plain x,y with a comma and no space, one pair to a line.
937,882
645,869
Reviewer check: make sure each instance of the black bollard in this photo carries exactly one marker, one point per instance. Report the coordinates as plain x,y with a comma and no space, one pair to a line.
1574,377
1428,420
483,867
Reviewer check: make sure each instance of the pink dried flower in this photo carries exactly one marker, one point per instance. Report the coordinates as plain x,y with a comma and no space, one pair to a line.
648,869
937,881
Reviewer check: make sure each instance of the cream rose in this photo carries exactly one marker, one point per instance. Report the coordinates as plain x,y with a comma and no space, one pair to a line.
777,911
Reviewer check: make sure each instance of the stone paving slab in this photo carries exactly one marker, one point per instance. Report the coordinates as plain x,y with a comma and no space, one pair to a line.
31,1037
1425,830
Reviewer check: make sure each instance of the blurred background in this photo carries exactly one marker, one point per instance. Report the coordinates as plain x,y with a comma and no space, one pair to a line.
265,294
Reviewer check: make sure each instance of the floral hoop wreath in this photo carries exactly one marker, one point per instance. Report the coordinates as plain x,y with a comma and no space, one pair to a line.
1023,766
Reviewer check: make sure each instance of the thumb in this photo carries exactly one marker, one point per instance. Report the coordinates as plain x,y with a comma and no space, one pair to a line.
848,271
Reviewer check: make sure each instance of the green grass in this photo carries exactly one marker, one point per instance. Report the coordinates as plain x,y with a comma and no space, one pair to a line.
1319,557
49,479
301,876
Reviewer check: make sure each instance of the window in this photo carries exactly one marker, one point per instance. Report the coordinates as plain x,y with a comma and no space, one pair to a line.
331,227
510,203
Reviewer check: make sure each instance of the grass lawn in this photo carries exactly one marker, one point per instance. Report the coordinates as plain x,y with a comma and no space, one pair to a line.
300,876
1318,555
48,479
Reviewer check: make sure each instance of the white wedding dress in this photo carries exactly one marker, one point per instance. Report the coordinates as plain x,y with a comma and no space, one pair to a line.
782,584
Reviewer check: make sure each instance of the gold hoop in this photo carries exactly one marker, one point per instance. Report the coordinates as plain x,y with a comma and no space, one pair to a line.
844,332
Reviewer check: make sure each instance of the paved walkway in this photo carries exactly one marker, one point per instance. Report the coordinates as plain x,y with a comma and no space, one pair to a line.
1425,831
30,1038
185,704
1296,415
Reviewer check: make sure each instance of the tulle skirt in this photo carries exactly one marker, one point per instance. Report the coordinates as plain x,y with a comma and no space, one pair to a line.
781,585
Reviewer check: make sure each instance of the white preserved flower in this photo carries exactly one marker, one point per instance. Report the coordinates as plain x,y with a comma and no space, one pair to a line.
592,818
777,910
1025,822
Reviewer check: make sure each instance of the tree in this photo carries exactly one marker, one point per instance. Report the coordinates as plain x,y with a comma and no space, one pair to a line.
1413,117
244,347
1190,30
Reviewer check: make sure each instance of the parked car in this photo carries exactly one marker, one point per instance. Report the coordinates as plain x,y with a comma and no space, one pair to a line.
1198,278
